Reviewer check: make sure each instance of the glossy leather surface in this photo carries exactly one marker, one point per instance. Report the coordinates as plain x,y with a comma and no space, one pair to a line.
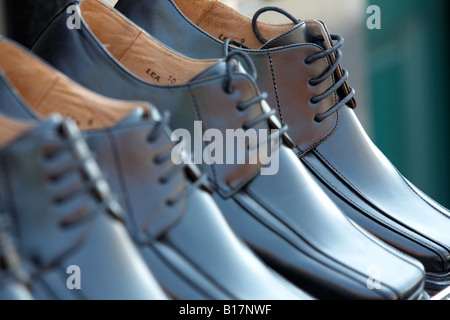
56,231
291,223
188,246
350,168
13,278
199,246
13,291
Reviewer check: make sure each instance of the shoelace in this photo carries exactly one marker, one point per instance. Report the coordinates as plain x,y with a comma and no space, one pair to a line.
336,86
95,183
175,169
9,258
227,86
335,49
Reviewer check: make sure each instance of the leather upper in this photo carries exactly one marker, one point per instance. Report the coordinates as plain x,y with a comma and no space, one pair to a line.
64,222
13,278
199,245
187,244
350,168
286,218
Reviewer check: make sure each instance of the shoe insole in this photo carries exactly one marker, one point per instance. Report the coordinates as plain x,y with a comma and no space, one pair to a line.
137,51
222,21
10,129
47,91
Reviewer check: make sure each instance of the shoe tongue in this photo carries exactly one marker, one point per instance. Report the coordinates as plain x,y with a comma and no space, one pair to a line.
305,32
10,129
219,68
216,69
139,114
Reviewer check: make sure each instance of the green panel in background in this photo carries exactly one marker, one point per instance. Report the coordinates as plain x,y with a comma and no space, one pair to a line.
408,69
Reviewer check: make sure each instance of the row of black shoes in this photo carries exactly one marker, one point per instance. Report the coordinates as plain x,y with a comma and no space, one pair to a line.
94,204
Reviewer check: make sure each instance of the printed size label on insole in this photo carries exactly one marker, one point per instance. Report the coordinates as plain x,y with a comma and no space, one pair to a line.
223,37
159,78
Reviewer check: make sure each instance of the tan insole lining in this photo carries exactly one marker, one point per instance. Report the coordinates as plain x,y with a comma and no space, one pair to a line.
48,91
10,129
138,52
222,21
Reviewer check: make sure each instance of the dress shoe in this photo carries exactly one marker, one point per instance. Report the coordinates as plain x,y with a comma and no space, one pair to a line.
300,69
171,215
286,218
65,217
13,278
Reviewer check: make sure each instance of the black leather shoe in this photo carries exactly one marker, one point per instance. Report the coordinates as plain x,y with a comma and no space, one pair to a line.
171,216
65,219
286,218
14,280
297,67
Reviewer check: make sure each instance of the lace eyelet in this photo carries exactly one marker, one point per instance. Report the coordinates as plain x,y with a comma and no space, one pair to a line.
317,120
307,62
157,161
63,225
229,90
240,108
313,101
312,85
170,203
163,180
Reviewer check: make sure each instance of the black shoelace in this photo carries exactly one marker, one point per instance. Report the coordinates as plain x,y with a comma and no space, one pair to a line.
94,181
336,86
9,257
175,169
228,88
335,49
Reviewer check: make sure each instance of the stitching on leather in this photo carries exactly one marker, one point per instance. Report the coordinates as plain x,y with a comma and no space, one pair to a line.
267,224
390,248
301,153
210,37
270,210
46,92
9,201
275,87
367,212
121,177
177,271
363,195
412,237
333,79
270,42
206,13
129,47
401,255
440,211
200,270
199,117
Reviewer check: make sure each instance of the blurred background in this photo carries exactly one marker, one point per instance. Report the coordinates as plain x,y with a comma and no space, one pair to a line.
399,71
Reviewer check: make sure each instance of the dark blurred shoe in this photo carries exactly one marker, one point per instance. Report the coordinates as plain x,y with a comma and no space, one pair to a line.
14,280
65,216
286,218
171,216
299,67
